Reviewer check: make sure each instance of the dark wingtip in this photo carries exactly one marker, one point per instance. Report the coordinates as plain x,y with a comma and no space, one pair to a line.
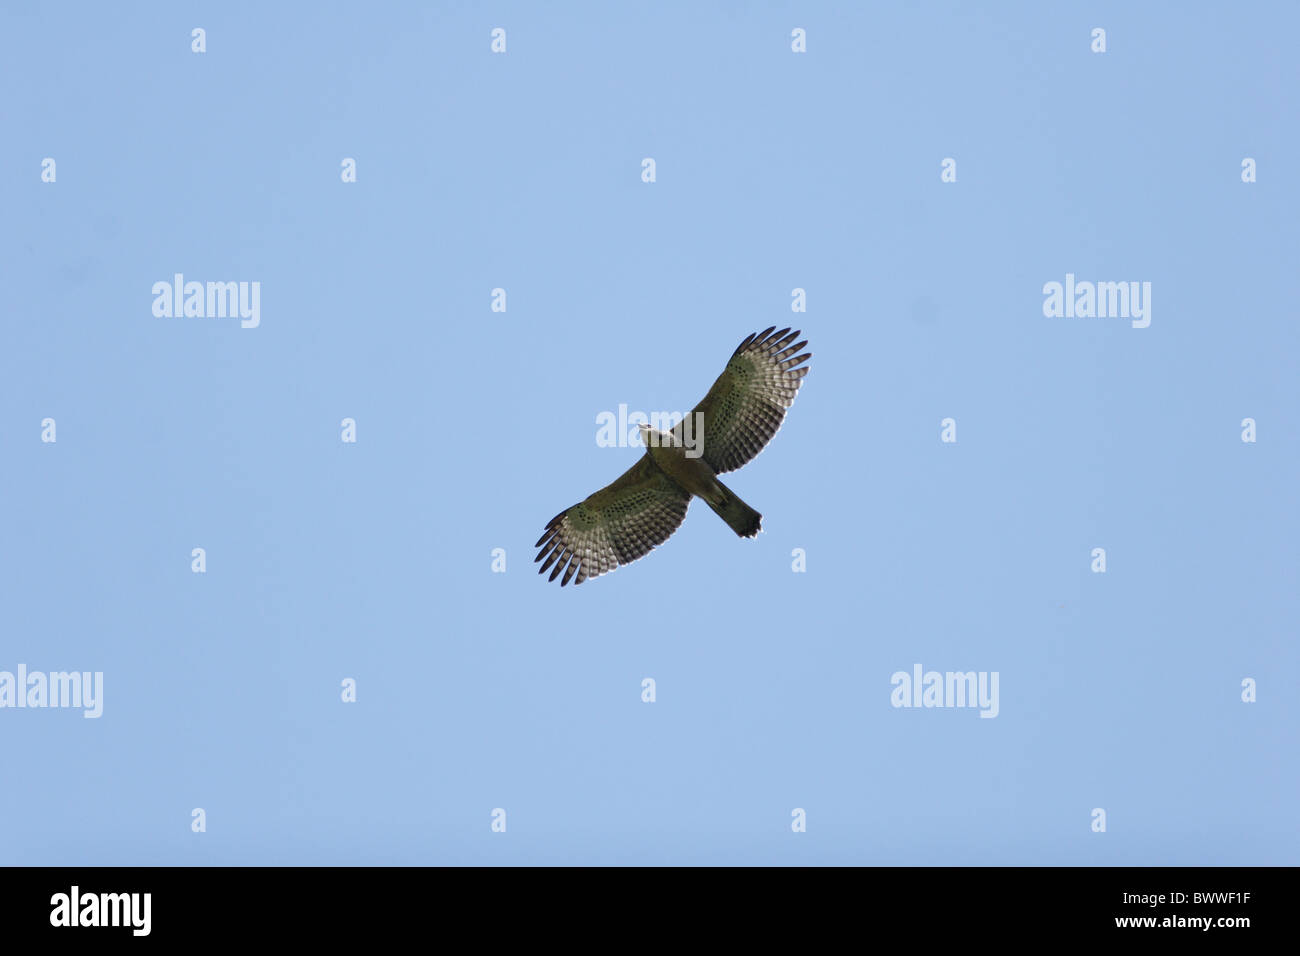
746,343
560,565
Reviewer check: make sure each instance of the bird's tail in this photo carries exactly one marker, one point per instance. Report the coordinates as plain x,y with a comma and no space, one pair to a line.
744,520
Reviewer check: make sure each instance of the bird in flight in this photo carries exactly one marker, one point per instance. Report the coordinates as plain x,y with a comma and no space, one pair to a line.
638,512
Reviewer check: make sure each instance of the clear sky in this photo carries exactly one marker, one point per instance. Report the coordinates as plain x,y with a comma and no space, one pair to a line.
774,171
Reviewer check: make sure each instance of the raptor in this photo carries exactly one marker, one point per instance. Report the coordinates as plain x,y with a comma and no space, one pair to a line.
630,517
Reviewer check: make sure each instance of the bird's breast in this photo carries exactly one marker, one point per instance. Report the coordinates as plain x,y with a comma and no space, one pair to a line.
693,474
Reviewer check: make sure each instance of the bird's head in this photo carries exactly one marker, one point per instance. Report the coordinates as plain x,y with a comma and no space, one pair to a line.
653,438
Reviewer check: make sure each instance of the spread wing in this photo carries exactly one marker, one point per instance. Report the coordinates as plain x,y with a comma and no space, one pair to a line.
746,405
615,526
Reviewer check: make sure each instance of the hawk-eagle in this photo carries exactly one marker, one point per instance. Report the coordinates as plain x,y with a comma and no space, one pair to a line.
637,513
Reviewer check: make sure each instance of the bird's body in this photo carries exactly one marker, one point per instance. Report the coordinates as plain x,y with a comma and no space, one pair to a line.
697,478
645,505
693,474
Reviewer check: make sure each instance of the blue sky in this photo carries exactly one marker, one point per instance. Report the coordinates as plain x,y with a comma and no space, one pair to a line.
775,170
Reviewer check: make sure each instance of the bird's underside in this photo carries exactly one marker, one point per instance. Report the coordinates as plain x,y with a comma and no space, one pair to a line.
636,513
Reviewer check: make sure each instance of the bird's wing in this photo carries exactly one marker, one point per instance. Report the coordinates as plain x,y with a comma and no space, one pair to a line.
746,405
615,526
